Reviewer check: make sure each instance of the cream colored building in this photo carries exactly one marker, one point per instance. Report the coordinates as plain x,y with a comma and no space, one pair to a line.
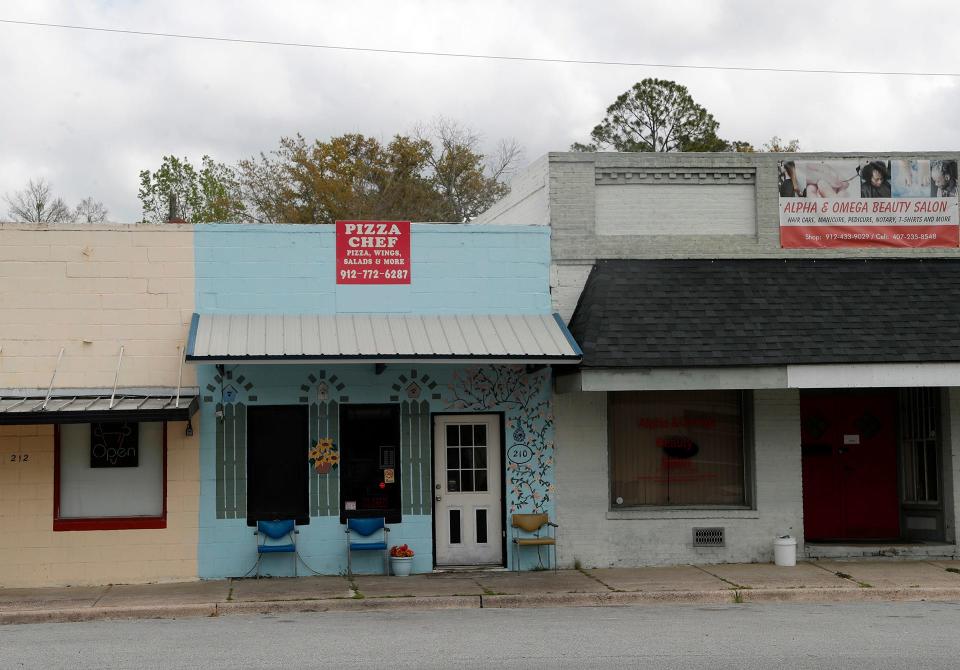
71,296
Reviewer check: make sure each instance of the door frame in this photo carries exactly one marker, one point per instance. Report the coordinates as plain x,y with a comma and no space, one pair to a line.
939,510
503,479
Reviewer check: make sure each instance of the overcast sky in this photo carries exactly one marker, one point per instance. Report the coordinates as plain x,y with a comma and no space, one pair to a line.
88,111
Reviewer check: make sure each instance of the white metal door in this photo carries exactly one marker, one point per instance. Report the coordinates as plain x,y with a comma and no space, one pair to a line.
467,500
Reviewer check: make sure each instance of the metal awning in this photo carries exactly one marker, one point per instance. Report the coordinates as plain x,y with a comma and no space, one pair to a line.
85,405
381,338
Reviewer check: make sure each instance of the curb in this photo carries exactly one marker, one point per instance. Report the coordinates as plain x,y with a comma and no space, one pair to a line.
597,599
723,597
76,614
405,603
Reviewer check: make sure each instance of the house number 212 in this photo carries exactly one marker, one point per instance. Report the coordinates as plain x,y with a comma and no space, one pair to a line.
19,458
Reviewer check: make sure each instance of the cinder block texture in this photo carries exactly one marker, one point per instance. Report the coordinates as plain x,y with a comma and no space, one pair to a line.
596,536
32,554
527,203
90,289
471,268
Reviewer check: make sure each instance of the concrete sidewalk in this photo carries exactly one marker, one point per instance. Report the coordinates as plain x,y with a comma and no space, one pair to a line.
820,581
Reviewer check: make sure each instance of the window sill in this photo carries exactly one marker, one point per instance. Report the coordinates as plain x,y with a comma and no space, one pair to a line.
111,523
661,513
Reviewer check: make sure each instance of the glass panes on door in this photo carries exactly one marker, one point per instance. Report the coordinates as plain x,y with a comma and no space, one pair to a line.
467,458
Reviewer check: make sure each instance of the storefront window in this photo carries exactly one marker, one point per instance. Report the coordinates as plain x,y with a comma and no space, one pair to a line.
677,448
110,475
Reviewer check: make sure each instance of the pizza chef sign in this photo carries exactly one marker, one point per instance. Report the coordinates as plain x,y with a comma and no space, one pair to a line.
373,252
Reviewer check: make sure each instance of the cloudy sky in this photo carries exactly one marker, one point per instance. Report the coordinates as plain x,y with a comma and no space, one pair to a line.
89,110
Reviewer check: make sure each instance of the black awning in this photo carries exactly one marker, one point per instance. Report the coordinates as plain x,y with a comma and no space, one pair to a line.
709,313
90,405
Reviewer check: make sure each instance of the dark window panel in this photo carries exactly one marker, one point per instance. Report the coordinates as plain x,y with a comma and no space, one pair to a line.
454,526
481,526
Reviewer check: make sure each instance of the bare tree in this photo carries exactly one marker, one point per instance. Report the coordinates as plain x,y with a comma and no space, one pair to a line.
35,203
90,211
468,180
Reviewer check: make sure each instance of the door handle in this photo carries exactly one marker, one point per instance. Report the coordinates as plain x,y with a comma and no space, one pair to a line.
438,498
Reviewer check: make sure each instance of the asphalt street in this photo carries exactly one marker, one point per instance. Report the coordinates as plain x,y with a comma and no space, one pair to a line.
875,635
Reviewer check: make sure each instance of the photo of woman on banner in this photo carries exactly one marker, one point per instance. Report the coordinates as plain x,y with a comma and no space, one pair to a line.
875,180
817,179
943,179
911,178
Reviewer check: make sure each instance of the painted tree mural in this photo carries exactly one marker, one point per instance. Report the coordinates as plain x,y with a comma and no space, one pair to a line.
525,400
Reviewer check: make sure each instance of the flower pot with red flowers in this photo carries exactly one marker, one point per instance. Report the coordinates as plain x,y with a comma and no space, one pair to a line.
401,560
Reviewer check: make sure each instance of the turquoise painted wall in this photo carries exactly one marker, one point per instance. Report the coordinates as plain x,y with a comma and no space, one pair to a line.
274,269
291,268
226,543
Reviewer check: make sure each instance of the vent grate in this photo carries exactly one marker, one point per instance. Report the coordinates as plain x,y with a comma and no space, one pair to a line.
708,537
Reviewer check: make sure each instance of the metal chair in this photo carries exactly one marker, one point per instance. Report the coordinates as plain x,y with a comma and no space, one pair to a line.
543,535
277,537
366,527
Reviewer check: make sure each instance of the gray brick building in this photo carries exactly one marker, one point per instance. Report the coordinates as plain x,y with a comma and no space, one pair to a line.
732,383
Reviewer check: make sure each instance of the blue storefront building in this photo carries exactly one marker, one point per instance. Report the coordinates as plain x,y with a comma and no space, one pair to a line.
427,403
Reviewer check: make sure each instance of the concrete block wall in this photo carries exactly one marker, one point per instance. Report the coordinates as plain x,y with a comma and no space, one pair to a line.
528,201
585,207
91,289
596,536
227,546
32,554
573,206
456,268
473,268
566,284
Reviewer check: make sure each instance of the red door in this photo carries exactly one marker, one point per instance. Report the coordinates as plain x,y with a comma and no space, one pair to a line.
849,443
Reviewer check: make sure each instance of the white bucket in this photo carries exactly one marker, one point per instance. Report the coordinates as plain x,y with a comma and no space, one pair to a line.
785,551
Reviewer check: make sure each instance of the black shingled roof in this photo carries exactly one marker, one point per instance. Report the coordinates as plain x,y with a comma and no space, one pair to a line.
695,313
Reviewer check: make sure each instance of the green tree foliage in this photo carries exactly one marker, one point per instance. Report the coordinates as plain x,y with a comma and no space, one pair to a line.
778,145
178,191
351,176
433,175
657,115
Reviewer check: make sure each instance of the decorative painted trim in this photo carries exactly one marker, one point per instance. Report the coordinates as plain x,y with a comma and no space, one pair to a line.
414,386
682,176
524,399
324,492
416,458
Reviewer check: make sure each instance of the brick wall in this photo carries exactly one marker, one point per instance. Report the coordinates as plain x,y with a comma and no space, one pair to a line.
591,218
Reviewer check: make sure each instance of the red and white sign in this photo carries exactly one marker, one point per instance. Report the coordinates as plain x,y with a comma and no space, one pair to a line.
878,203
373,252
